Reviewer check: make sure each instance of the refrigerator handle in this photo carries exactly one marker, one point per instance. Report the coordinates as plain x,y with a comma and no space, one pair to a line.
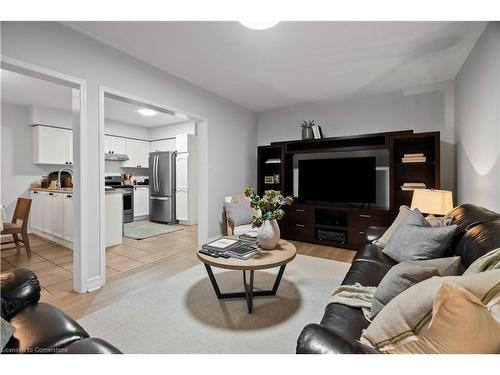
157,177
154,174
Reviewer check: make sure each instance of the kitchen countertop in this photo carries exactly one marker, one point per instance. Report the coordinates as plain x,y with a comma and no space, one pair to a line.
70,190
113,191
62,190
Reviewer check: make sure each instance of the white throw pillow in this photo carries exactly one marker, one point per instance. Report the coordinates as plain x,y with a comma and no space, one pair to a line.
240,213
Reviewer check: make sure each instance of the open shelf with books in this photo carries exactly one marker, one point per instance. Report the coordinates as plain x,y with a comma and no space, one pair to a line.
414,164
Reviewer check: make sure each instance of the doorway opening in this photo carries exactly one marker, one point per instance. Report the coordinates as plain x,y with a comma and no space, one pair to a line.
42,114
150,201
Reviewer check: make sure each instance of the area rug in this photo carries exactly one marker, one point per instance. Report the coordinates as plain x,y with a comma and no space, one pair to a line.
182,314
139,230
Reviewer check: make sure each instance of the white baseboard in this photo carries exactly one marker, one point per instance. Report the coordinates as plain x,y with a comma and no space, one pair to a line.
52,238
94,284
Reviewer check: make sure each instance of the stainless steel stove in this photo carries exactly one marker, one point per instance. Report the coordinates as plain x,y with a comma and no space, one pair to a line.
115,181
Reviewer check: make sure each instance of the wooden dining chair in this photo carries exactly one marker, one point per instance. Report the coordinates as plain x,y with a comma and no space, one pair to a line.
21,213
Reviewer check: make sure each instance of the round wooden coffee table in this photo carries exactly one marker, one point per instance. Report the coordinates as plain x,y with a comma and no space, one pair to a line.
284,253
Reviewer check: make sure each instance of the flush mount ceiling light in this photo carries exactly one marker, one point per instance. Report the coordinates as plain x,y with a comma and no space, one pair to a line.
147,112
259,25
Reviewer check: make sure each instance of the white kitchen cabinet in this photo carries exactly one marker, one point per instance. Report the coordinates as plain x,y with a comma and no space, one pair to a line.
115,145
52,216
182,170
57,214
69,143
138,153
36,211
163,145
186,163
181,204
52,145
68,217
114,217
141,201
182,142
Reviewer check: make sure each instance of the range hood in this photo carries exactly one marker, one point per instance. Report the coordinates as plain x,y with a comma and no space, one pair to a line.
115,157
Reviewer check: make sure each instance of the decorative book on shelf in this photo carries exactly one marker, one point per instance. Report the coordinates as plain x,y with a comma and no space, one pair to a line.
413,186
273,161
414,158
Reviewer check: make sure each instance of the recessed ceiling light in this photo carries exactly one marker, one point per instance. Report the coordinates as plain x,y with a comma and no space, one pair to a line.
259,25
147,112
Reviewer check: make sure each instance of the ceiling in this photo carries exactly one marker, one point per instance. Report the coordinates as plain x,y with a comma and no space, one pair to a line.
19,89
120,111
22,90
295,62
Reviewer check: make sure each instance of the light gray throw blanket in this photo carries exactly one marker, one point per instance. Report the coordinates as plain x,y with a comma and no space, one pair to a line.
355,296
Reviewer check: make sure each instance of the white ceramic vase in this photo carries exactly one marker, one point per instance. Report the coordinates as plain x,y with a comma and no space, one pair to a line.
269,235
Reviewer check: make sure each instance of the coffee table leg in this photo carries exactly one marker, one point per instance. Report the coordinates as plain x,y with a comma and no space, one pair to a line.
278,279
214,282
248,290
249,293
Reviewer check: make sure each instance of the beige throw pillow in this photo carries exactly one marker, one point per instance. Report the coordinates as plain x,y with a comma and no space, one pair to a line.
404,317
461,324
404,211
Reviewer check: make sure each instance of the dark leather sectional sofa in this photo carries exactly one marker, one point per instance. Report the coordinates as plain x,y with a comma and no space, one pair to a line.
341,326
40,327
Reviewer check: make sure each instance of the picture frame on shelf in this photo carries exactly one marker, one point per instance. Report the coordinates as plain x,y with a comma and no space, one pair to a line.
269,180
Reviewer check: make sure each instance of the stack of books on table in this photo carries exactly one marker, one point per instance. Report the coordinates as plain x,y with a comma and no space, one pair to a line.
250,237
413,158
413,186
232,247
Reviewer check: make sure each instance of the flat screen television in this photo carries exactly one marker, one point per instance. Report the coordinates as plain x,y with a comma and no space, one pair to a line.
343,180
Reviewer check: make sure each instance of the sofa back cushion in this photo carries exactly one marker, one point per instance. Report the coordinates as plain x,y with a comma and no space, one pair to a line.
467,215
477,241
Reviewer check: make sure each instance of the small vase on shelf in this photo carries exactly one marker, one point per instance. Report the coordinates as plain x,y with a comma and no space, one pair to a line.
307,130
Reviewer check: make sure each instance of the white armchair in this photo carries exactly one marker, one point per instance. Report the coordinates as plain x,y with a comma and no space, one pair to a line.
238,221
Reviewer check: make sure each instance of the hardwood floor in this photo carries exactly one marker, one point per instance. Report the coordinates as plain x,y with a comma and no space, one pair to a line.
146,263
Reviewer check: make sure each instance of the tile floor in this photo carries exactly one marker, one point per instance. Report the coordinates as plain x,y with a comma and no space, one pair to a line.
53,263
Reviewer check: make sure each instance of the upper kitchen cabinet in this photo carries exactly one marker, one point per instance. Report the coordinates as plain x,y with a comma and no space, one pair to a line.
52,145
163,145
115,145
138,153
182,142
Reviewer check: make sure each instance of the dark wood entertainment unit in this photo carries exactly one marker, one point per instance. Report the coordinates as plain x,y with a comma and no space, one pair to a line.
345,225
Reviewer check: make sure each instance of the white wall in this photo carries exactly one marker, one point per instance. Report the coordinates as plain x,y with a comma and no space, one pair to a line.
18,170
126,130
229,157
421,109
477,119
172,130
50,116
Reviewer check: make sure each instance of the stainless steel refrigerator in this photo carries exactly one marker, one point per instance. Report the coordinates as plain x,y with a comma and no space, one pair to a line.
162,187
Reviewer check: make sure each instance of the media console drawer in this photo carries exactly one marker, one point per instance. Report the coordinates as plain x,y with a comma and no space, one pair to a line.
299,214
362,219
299,230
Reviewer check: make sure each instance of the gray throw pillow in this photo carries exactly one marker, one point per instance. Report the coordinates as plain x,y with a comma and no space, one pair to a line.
240,212
6,332
406,274
415,239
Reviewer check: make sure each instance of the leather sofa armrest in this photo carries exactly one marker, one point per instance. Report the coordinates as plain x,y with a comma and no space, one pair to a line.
18,289
318,339
374,233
